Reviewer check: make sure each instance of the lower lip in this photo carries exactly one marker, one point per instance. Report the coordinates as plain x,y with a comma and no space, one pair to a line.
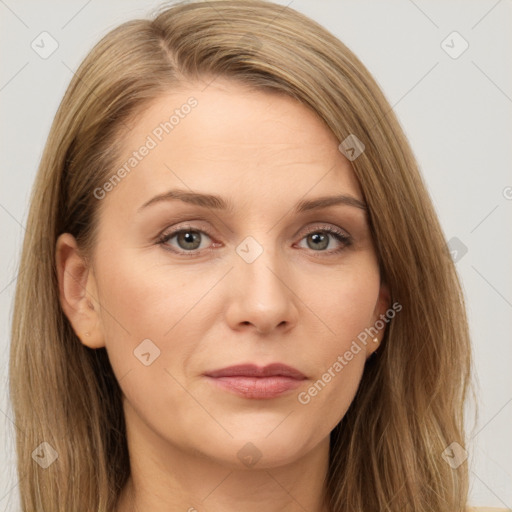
257,387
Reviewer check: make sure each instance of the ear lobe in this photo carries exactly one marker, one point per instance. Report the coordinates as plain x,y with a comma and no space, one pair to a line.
75,280
382,305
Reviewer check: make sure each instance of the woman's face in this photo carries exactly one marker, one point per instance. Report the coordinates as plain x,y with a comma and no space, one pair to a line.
186,287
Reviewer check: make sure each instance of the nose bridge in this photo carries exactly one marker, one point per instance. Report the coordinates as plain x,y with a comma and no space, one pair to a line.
260,257
261,297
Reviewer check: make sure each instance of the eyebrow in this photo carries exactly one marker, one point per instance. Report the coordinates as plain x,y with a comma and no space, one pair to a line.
218,203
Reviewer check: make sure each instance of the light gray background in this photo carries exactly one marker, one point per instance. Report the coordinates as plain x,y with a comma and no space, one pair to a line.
455,112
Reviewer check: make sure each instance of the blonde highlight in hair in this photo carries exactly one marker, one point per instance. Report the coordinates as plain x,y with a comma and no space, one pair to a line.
385,454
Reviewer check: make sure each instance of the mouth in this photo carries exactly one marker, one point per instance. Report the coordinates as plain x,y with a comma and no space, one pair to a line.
251,381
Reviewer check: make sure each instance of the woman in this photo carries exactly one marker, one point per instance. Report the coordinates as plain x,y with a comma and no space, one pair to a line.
235,292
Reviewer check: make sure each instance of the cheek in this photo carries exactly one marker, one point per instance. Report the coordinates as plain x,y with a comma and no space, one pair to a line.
346,303
142,299
346,309
150,333
147,303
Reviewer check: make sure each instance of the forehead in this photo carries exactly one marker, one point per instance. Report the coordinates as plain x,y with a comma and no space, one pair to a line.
225,137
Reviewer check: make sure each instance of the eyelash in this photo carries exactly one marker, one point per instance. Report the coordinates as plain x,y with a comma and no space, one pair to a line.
339,235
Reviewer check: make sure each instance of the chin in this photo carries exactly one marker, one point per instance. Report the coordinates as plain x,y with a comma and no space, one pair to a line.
252,448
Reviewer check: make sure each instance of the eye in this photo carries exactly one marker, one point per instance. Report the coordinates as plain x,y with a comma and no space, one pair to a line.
189,240
319,238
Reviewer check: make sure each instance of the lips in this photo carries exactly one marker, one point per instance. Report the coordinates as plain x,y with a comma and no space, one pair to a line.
251,381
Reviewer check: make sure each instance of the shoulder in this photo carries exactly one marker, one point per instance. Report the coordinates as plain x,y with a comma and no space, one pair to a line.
487,509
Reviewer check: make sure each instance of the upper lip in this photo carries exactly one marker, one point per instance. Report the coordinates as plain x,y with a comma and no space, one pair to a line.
252,370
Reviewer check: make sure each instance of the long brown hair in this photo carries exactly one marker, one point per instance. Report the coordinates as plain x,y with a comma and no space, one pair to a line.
386,452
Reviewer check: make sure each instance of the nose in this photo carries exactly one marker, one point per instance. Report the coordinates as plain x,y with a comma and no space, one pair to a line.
261,294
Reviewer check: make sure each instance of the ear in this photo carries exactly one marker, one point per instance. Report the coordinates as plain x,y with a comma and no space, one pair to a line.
379,319
78,292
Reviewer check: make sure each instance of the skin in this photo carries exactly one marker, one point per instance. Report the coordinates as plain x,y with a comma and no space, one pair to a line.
298,302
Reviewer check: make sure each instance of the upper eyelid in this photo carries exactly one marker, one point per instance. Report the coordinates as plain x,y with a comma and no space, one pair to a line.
192,224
